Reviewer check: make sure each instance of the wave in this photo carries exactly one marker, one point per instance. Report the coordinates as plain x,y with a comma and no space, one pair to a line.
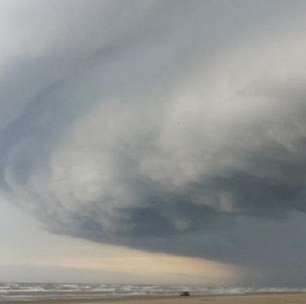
29,291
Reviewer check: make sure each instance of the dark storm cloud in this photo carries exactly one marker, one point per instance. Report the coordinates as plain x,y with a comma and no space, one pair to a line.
167,126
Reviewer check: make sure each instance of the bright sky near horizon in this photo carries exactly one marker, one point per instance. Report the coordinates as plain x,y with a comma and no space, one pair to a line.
29,253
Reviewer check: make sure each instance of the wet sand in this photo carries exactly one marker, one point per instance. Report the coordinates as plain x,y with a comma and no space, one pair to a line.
284,298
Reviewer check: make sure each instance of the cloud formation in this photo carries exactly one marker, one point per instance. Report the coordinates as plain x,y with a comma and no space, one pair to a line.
166,126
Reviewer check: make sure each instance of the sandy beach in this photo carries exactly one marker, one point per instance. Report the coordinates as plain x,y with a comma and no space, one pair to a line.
283,298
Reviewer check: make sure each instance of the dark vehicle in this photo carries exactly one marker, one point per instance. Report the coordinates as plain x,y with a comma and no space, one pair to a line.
185,294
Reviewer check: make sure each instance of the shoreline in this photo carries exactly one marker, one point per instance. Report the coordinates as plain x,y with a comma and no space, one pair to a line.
254,298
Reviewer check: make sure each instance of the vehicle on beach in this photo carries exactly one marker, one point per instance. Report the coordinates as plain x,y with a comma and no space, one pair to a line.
185,294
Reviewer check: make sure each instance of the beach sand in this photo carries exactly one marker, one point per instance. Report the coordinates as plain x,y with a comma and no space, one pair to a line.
298,298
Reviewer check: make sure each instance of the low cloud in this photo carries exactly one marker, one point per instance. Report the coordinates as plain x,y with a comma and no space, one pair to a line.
148,127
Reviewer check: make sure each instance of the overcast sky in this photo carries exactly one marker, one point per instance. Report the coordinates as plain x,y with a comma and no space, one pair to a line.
165,133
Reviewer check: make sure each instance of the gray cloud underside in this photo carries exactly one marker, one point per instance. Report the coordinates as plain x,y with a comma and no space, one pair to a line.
168,126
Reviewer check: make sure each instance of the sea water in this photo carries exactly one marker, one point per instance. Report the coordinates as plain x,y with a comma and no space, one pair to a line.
12,292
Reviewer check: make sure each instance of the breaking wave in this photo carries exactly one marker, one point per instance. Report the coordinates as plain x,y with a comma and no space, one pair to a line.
10,292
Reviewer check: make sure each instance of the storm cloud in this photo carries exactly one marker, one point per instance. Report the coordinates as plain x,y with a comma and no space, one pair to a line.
169,126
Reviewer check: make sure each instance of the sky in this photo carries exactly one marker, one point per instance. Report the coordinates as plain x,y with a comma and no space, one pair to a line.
158,135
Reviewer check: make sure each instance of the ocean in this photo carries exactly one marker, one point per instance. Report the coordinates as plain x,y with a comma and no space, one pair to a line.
12,292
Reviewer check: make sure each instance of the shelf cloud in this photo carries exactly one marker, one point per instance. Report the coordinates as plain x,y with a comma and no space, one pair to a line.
175,127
